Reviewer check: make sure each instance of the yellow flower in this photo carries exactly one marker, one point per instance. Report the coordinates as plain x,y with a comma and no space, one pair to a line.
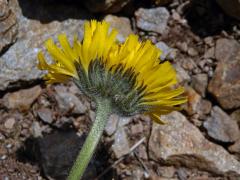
130,75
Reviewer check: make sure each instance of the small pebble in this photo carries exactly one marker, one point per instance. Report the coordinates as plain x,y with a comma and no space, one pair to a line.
6,178
9,123
192,52
9,146
209,41
3,157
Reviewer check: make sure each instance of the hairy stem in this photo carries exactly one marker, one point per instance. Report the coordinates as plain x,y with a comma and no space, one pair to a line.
83,158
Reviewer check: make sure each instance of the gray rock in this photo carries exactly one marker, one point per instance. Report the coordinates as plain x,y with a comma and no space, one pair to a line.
232,8
68,102
112,6
19,64
167,52
124,121
122,24
120,146
8,25
22,99
181,143
45,115
221,127
225,84
154,19
111,125
199,83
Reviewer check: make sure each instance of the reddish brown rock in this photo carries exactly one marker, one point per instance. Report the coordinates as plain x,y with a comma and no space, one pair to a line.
235,148
22,99
225,84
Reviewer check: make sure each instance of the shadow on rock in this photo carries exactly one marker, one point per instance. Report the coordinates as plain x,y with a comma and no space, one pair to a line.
55,154
50,10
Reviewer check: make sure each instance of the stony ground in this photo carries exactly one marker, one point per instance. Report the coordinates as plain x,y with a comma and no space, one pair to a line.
42,127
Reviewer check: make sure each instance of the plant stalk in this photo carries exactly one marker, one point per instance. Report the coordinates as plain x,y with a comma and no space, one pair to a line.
86,153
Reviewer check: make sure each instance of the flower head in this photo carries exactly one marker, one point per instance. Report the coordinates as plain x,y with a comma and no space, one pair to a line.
130,75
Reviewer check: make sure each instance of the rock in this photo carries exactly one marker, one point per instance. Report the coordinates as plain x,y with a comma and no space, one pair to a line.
189,64
225,83
231,8
154,19
9,123
22,99
166,171
111,125
122,24
19,64
209,41
68,102
194,100
64,122
192,52
226,49
36,129
210,53
182,46
8,25
205,107
124,121
199,83
182,75
142,152
236,116
112,6
235,148
45,115
221,127
120,146
137,128
181,143
167,52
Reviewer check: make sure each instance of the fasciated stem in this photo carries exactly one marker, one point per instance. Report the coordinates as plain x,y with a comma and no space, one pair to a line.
86,153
